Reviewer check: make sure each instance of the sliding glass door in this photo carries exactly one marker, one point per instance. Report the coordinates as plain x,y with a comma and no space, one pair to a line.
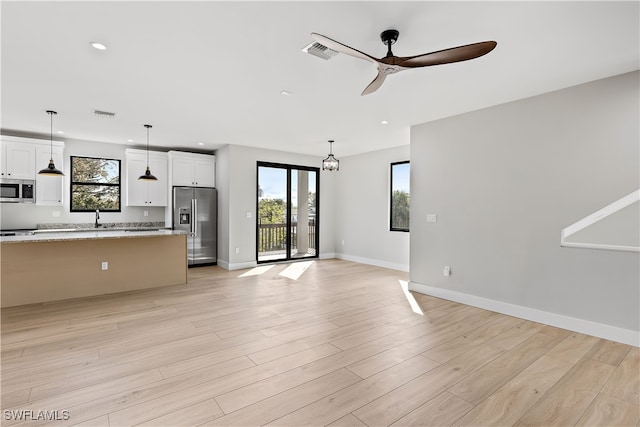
287,219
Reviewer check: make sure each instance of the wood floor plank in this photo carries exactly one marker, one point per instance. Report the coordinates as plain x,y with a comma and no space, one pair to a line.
565,402
510,402
381,361
396,404
194,390
259,390
624,384
607,411
341,403
608,352
482,383
348,420
573,348
284,403
442,410
15,398
194,415
492,328
516,335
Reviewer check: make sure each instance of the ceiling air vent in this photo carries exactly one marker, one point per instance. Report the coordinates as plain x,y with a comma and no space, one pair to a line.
320,50
106,114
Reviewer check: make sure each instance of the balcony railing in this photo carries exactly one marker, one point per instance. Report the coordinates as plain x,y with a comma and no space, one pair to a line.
273,237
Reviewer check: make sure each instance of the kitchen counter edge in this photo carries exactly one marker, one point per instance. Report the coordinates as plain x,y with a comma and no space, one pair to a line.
89,235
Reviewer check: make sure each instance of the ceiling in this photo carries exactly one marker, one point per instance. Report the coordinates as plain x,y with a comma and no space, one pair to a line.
212,73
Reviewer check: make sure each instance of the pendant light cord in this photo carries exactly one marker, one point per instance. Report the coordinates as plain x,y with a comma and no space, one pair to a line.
51,113
147,126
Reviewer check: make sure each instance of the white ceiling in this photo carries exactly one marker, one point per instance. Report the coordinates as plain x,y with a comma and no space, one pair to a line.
212,72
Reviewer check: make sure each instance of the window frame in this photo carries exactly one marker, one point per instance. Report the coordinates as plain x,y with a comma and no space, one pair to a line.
391,226
102,184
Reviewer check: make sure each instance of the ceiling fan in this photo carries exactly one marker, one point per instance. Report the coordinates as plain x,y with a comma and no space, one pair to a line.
391,64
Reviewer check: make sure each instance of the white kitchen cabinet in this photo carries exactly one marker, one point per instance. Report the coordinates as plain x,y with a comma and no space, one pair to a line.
146,193
49,189
17,160
192,169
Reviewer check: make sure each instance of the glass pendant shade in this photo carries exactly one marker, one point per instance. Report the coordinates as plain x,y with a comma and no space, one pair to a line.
51,169
147,175
330,163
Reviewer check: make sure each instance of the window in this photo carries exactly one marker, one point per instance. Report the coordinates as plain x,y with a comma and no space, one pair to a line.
95,184
400,196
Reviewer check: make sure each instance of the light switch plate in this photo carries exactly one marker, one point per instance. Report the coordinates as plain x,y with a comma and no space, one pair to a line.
432,218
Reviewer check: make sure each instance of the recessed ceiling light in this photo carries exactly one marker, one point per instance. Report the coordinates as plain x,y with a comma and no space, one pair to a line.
286,93
129,140
200,143
60,132
384,122
98,45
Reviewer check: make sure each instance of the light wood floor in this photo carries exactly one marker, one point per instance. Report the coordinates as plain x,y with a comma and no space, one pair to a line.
339,346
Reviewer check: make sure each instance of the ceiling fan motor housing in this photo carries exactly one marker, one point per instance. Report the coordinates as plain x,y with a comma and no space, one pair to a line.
389,36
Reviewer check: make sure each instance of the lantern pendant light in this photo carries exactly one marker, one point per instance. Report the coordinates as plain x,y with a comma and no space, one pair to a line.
147,175
330,163
51,169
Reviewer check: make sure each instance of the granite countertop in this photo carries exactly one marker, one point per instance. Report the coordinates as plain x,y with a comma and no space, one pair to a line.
90,234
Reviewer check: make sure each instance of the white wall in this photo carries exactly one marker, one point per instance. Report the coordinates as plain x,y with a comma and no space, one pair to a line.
362,211
241,164
504,181
13,216
222,184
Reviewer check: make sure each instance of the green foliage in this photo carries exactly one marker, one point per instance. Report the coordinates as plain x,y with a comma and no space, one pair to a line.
400,210
271,211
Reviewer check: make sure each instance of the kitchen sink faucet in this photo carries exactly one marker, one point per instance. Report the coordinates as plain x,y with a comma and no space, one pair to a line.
97,218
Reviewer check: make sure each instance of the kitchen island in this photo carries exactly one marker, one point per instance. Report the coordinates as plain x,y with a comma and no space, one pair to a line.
61,265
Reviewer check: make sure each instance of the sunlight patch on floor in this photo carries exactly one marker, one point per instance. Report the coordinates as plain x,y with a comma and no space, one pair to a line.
256,271
295,270
412,301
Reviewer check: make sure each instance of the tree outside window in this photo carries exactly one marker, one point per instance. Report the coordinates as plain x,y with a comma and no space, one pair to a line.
400,196
95,184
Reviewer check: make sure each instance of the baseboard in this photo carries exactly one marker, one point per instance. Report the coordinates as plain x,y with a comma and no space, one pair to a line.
236,265
371,261
625,336
328,255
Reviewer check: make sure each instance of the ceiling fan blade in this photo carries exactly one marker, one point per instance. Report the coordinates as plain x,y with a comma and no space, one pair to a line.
447,56
375,84
332,44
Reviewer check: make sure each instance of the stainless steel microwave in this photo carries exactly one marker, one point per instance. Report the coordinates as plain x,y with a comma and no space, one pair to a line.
17,191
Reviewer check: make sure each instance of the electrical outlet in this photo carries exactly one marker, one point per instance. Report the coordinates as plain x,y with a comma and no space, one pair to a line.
146,213
432,218
447,271
343,243
249,214
237,250
105,265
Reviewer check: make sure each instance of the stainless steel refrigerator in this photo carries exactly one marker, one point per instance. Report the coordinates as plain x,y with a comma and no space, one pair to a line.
195,211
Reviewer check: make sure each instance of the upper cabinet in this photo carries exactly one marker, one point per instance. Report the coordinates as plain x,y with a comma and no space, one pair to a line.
192,169
142,192
18,160
49,189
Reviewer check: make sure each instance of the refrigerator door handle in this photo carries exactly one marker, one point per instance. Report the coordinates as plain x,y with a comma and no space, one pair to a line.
191,225
195,216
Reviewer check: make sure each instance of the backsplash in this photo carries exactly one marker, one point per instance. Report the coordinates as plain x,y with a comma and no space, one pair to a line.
90,225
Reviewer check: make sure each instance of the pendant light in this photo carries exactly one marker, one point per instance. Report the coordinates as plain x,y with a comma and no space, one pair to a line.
147,175
51,169
330,163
